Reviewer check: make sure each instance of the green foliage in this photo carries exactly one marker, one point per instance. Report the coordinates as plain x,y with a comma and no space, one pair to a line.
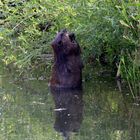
132,73
28,27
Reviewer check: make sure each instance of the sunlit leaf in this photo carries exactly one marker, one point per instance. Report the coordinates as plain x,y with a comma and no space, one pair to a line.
124,23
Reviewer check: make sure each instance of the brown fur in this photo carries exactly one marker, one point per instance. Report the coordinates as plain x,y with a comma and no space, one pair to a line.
67,68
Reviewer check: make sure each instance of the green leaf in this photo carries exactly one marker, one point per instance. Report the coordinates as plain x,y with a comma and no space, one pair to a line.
124,23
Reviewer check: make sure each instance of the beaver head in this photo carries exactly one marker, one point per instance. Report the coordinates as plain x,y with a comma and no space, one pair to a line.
65,44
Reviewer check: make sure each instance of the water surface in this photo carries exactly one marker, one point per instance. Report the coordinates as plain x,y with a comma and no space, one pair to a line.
30,111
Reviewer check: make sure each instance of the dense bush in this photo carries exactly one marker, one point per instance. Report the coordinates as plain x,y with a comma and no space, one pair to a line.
110,26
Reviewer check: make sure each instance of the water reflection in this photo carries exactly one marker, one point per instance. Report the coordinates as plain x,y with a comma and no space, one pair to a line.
27,112
68,111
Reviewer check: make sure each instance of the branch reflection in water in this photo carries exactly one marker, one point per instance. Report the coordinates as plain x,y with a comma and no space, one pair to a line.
68,110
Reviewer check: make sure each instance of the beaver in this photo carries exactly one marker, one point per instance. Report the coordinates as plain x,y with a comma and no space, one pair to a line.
67,68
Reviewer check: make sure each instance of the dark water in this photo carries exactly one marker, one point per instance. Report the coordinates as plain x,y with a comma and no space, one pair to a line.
30,111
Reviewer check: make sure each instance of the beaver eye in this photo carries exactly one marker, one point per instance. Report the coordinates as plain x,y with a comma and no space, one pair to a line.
60,42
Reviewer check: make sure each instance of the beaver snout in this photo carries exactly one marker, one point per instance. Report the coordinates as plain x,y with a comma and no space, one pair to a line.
61,36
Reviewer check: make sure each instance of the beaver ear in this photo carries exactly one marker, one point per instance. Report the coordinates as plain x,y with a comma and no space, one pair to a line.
72,36
64,30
